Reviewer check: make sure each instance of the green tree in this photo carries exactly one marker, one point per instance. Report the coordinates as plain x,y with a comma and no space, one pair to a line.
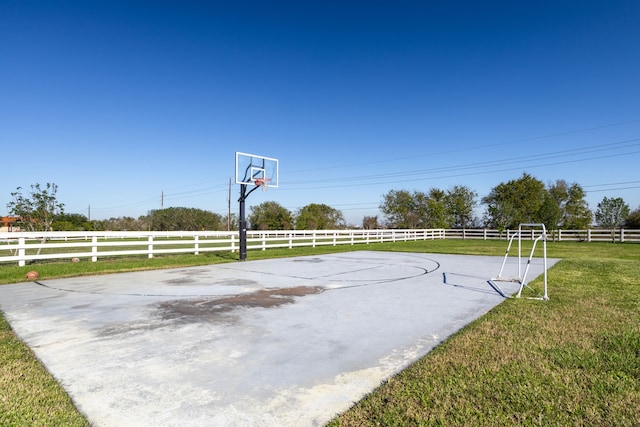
403,209
37,209
71,222
437,214
574,210
515,202
460,203
550,214
611,214
396,206
435,209
270,216
125,223
183,219
577,213
230,222
633,220
370,222
319,217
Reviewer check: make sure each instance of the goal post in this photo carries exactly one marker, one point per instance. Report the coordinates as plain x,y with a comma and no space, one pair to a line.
521,278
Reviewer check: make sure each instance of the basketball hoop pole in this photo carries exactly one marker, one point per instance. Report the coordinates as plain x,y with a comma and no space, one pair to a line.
243,222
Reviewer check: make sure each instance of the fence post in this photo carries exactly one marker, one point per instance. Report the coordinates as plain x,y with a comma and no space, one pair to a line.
21,251
589,235
622,235
197,245
94,248
233,243
150,247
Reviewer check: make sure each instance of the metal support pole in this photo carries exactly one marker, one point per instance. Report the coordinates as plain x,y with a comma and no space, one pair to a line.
243,223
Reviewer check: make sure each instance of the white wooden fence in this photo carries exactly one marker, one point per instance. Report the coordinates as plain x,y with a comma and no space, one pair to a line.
22,247
27,246
591,235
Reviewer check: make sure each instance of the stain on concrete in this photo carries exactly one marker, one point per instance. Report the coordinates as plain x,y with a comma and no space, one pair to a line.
190,271
129,327
181,281
237,282
215,309
209,308
81,306
189,280
309,260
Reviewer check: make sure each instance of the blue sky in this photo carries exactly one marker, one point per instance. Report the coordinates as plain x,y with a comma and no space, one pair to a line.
121,102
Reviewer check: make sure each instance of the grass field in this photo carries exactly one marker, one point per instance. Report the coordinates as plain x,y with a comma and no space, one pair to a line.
572,360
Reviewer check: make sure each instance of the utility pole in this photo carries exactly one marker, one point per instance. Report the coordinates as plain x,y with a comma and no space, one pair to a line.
162,200
89,213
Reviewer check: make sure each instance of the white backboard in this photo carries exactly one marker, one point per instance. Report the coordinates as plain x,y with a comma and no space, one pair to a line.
251,168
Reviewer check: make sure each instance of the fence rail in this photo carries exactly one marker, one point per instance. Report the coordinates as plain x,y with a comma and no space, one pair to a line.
22,247
590,235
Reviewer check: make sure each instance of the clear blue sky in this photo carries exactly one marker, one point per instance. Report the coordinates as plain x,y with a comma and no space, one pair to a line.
119,102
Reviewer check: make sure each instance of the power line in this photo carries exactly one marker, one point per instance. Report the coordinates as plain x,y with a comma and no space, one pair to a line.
479,147
612,183
390,178
521,167
613,189
493,163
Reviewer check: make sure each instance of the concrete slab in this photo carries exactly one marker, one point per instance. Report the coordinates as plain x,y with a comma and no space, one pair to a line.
263,343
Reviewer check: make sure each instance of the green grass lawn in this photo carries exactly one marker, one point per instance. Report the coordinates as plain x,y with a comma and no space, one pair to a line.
572,360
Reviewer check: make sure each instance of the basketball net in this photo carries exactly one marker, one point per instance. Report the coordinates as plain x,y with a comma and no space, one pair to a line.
263,183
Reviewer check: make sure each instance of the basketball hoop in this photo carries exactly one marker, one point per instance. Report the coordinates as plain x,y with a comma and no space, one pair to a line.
252,171
263,182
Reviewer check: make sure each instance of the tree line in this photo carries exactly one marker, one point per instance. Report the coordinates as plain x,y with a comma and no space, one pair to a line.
38,209
522,200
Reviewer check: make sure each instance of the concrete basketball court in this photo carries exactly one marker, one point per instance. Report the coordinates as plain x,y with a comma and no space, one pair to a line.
277,342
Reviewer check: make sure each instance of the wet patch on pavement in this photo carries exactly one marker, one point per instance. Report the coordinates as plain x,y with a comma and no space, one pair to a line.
208,309
187,280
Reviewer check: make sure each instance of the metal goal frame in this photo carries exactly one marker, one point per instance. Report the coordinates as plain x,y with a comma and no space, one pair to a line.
521,278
